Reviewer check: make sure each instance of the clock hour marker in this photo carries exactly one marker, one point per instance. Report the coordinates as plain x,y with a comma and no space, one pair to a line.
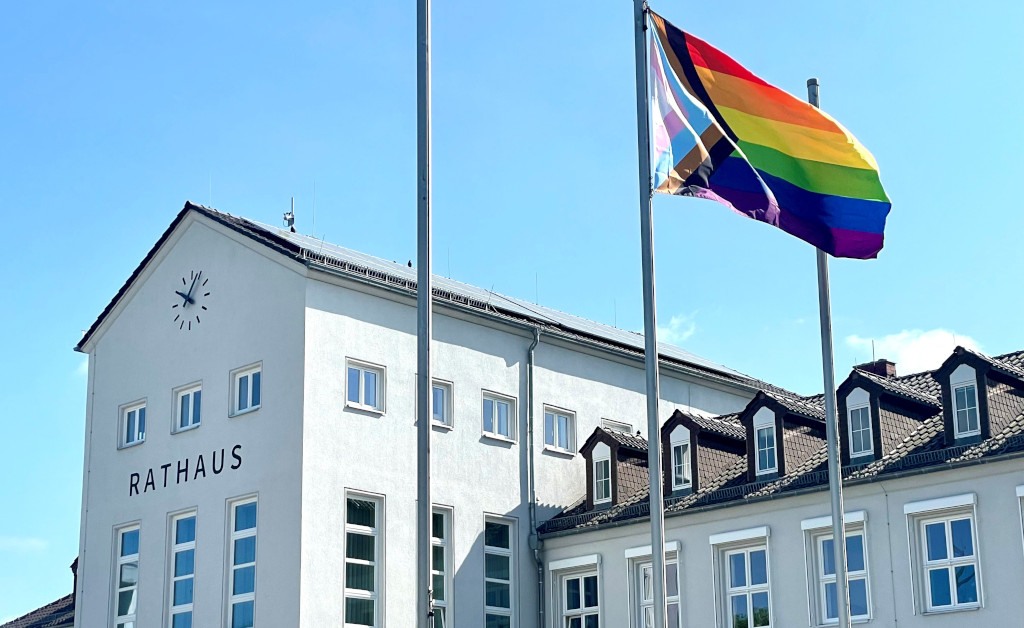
182,325
192,274
174,306
204,283
197,319
183,282
190,325
207,294
203,306
176,318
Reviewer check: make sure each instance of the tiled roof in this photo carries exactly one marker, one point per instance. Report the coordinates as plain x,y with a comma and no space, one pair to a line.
725,425
909,442
627,440
813,406
59,614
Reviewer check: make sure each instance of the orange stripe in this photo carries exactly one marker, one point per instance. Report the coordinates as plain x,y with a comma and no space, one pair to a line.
763,101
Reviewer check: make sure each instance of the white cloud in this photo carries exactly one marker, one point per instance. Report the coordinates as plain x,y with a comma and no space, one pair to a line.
913,350
679,329
22,545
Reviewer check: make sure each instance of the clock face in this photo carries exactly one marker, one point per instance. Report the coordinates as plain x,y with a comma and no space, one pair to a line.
190,300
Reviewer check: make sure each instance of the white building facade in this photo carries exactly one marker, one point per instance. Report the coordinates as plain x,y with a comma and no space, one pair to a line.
250,436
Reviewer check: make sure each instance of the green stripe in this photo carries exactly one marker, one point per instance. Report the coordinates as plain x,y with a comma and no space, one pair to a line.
816,176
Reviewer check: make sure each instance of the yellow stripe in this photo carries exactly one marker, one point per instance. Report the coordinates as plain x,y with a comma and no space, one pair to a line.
800,141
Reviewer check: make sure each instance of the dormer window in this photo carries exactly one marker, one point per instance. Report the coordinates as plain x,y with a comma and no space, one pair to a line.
602,480
682,477
764,441
859,423
964,385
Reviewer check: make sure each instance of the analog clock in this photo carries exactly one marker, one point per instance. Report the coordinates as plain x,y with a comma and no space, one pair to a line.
190,300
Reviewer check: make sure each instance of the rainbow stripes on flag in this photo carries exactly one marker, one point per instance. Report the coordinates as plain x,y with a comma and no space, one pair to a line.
721,133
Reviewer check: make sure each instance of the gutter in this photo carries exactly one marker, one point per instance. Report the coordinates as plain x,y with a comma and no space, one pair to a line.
534,540
948,466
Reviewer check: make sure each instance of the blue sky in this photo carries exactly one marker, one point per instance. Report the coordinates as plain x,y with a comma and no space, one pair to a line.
112,114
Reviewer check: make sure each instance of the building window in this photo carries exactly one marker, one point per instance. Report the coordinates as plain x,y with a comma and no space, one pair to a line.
365,386
580,607
441,400
747,599
127,573
766,459
133,424
560,430
602,480
826,598
246,385
681,476
965,411
183,569
441,564
242,584
949,562
364,526
616,426
188,407
645,593
860,431
499,574
499,416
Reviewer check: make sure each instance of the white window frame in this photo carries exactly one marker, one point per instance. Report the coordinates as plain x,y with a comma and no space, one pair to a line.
942,510
680,463
137,436
566,614
442,607
447,419
119,561
172,577
236,378
496,398
640,559
866,411
557,413
190,391
725,545
611,425
510,552
764,419
235,535
818,580
1020,510
377,532
380,390
598,480
972,385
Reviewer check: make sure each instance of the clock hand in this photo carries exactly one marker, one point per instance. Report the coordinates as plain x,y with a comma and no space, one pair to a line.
192,287
187,298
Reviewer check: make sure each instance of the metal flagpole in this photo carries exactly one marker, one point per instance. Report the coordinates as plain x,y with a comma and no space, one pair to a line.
424,322
835,478
650,315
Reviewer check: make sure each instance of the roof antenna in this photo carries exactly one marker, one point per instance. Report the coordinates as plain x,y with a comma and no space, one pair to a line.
312,231
615,314
536,288
872,350
289,217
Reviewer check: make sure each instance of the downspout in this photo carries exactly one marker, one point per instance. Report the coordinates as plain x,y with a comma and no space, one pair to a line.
535,543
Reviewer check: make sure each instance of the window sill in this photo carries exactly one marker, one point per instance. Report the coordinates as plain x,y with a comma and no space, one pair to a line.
444,427
131,444
499,438
246,411
682,487
853,620
187,429
953,609
364,408
565,453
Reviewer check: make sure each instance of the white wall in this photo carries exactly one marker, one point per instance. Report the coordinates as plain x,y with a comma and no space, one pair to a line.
255,314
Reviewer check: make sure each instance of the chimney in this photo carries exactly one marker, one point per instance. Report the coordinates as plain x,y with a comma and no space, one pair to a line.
882,367
74,573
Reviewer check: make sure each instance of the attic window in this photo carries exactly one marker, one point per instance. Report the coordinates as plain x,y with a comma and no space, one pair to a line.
681,472
859,423
964,384
602,480
764,442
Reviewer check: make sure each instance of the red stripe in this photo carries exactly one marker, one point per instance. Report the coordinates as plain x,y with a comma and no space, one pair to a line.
706,55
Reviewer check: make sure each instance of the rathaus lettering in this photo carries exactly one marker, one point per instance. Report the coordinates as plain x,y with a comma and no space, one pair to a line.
178,473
